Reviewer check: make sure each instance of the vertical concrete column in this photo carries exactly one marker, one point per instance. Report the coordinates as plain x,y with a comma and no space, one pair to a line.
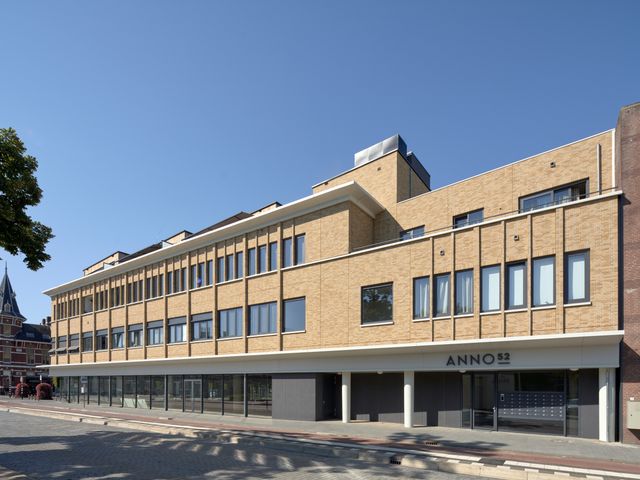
606,404
346,397
409,378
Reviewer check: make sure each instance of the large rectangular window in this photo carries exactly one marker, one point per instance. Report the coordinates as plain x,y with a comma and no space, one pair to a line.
516,285
377,303
169,283
300,253
102,340
490,288
239,265
134,337
177,329
157,392
262,318
230,323
209,272
212,393
87,304
87,341
220,270
420,298
201,326
230,268
544,281
194,277
175,392
233,394
556,196
259,395
155,335
273,256
117,337
262,258
464,292
442,295
577,277
74,342
251,261
294,315
469,218
287,252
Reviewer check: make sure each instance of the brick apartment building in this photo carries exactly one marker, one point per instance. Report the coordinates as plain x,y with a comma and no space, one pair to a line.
509,300
25,347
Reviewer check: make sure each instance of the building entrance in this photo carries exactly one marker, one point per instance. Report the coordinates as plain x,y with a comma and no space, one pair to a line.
484,401
193,395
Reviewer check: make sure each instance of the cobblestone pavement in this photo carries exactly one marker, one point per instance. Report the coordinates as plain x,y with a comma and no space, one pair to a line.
44,448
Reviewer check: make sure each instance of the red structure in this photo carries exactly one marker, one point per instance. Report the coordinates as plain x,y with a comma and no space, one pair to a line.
23,346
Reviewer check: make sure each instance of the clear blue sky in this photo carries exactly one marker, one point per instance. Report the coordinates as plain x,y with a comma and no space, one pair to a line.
148,117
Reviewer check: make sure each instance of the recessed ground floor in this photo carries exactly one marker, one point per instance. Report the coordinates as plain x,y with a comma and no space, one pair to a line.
561,385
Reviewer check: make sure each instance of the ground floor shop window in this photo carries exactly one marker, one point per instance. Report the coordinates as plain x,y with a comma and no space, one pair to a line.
93,390
129,387
259,395
174,392
116,391
234,394
212,393
143,391
103,383
157,392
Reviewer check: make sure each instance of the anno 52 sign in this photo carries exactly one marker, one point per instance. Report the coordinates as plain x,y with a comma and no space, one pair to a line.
479,359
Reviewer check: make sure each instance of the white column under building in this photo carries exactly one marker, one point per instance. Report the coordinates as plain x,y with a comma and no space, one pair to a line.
606,403
346,397
409,379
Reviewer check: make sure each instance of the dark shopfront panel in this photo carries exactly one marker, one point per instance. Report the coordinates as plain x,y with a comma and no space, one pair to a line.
221,394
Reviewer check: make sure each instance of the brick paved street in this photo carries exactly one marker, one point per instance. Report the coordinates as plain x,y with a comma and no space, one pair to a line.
56,449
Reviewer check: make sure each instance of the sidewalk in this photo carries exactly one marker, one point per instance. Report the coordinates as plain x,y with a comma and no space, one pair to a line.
492,448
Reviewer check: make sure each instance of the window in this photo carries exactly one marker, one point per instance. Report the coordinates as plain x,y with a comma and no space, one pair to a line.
421,297
176,281
299,253
412,233
294,314
262,258
516,285
201,326
117,337
273,256
251,267
230,323
154,333
220,270
287,252
87,304
183,279
177,330
442,295
194,277
577,277
469,218
62,343
154,286
135,335
200,275
102,342
548,198
147,289
87,341
230,267
209,272
543,281
74,342
377,303
161,284
262,318
169,283
239,264
464,292
490,288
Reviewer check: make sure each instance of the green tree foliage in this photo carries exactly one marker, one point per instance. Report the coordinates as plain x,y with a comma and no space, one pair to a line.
19,189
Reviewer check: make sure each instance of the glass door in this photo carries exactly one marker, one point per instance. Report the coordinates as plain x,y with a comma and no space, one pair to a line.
193,395
484,401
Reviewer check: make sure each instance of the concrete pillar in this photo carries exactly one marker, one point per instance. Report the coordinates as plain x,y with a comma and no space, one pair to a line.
408,399
346,397
606,404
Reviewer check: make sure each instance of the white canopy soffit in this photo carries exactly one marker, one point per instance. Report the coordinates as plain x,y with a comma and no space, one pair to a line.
562,351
